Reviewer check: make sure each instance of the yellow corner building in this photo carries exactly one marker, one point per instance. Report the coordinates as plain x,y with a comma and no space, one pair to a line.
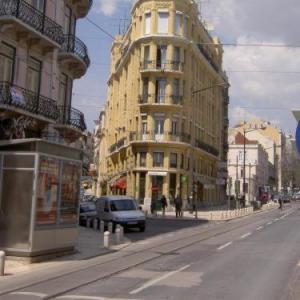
166,117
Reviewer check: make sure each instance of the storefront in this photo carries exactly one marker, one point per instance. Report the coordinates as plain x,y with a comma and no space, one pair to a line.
39,196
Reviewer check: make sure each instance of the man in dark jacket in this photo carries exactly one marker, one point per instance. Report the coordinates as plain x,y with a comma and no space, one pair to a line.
178,206
164,204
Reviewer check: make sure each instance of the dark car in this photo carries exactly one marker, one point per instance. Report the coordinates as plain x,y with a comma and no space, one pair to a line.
87,212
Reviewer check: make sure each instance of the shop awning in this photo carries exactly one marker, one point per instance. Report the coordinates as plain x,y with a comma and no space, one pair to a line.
121,183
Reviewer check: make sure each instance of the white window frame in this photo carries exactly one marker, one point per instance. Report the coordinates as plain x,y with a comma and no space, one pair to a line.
147,23
163,22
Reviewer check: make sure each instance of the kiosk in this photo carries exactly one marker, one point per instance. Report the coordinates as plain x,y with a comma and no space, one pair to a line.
39,197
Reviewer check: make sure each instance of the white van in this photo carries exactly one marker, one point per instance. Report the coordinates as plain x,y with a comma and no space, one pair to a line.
121,210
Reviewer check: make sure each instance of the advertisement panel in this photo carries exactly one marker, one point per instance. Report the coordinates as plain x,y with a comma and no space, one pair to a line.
70,190
47,191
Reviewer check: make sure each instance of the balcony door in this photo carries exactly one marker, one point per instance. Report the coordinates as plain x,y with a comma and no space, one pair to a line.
160,93
7,59
161,57
159,128
69,21
39,4
34,72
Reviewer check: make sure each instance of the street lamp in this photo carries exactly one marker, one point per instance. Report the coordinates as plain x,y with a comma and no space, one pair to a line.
263,126
194,92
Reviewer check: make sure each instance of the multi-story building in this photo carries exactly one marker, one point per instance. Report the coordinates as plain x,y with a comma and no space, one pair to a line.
166,114
40,132
273,141
40,56
256,168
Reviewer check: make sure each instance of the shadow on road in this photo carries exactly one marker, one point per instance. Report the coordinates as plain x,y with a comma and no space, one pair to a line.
157,226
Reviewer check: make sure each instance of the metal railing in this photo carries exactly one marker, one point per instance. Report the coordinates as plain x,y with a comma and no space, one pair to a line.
208,57
206,147
120,143
72,117
74,45
158,65
163,137
160,99
28,101
32,17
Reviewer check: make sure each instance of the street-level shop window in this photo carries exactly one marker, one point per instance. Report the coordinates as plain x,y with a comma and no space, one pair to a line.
158,159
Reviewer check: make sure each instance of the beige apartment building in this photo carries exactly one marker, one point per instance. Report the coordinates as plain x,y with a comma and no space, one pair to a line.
166,117
40,56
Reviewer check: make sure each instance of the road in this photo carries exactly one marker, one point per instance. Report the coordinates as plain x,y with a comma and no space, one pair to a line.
256,257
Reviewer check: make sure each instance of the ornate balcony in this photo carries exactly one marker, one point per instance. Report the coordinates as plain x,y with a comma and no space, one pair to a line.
74,55
72,118
161,66
154,100
165,137
206,54
207,148
30,23
17,100
81,7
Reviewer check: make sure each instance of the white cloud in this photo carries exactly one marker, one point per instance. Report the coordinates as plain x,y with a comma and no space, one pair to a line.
108,7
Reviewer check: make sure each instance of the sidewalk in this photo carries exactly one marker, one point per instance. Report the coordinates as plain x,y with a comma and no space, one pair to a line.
90,244
216,214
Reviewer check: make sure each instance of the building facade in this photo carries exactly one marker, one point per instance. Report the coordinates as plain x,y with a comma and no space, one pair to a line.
166,115
256,168
274,142
40,56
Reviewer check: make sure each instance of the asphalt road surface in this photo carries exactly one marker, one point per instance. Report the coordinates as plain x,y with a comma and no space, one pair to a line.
255,257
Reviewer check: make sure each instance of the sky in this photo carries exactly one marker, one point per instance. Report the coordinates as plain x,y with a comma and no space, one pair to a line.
265,81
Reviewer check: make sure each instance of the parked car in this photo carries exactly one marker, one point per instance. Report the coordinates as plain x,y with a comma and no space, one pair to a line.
87,210
285,198
121,210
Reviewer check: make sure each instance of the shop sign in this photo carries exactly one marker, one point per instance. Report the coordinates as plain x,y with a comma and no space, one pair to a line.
157,173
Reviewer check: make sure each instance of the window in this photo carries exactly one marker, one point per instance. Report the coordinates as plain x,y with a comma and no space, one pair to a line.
163,19
182,161
38,4
146,57
174,127
143,157
178,22
158,159
145,90
173,160
159,126
65,89
144,124
69,21
33,79
7,60
160,92
176,87
186,26
176,58
147,23
161,56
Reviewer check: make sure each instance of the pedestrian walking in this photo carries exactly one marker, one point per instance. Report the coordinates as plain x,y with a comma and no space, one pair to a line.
164,204
153,207
178,206
280,202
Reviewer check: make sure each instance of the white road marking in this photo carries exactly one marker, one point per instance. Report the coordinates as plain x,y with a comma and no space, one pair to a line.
259,228
156,280
269,223
277,219
80,297
39,295
224,246
246,235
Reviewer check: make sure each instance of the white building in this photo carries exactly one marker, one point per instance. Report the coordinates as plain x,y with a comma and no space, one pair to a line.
256,171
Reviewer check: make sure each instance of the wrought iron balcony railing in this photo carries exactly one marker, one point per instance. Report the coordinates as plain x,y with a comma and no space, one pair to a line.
74,45
120,143
15,96
72,117
208,148
158,65
23,11
208,57
161,137
160,99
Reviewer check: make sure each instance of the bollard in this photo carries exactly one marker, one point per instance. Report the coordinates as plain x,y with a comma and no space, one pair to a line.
110,227
118,235
95,224
101,226
2,262
106,240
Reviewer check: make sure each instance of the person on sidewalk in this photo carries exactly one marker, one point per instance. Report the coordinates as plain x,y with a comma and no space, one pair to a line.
164,204
280,202
153,207
178,206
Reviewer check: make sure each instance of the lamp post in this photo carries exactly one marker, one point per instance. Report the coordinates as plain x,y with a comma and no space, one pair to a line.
193,93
